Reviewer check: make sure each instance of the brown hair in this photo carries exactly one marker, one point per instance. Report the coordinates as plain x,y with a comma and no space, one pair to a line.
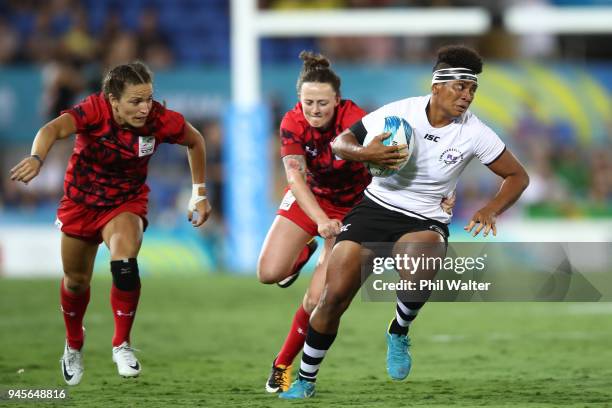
134,73
316,68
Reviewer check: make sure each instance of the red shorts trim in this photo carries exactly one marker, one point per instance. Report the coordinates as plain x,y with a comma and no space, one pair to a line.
86,223
290,209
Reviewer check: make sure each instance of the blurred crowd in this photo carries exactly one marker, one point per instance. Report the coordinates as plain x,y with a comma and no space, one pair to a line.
102,32
65,31
568,178
74,42
73,49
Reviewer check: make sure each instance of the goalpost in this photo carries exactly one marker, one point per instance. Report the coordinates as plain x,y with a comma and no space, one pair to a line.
247,123
247,158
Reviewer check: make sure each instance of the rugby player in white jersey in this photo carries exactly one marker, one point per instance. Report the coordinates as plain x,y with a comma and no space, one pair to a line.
405,207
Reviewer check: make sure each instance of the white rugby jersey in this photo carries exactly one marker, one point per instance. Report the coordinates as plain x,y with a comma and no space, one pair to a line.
439,155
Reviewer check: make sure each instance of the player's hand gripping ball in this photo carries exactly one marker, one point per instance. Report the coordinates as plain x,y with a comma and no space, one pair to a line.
400,134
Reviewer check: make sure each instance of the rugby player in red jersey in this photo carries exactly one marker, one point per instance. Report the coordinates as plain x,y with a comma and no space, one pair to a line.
322,189
105,198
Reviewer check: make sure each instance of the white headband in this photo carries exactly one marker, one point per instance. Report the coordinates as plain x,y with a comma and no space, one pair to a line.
453,74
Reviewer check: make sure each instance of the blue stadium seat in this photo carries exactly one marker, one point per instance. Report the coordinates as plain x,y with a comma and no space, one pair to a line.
198,30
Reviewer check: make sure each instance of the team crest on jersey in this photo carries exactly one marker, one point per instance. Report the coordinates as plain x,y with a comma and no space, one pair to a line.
146,145
451,156
311,151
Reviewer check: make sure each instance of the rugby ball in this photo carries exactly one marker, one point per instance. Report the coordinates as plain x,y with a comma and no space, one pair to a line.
401,133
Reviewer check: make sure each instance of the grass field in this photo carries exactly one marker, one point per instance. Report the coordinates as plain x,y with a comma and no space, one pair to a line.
209,341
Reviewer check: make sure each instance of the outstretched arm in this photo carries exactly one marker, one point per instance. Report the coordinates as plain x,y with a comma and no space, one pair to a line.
196,155
59,128
295,169
515,182
347,147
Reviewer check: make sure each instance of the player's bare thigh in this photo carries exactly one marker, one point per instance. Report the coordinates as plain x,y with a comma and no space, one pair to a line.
317,283
281,248
123,235
342,282
421,244
78,258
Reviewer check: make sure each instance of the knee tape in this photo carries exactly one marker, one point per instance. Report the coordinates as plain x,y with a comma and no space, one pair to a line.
125,274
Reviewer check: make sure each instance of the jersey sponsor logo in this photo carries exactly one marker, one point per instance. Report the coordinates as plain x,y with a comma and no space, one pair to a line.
146,145
431,137
345,227
311,151
451,156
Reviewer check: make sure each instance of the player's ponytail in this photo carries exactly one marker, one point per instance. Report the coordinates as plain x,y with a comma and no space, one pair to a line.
317,68
117,78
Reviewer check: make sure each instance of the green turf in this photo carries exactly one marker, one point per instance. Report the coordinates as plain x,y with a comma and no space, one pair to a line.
209,341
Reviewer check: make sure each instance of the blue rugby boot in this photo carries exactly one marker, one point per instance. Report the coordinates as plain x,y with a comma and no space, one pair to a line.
399,359
300,389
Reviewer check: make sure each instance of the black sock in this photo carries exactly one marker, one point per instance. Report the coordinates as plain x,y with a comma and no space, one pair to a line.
405,313
315,347
395,328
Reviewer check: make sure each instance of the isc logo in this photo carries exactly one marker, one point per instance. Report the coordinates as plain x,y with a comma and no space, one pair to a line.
431,137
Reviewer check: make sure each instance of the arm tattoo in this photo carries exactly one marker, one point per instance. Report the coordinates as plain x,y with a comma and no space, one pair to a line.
295,162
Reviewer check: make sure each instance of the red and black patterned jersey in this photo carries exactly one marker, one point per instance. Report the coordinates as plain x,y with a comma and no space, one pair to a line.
109,162
339,181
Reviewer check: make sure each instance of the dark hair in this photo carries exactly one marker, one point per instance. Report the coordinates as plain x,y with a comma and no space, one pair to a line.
134,73
316,68
458,56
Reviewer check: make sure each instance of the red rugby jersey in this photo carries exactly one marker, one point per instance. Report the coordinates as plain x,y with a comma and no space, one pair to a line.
339,181
109,162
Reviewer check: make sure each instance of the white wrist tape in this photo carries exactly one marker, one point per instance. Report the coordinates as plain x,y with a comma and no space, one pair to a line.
195,196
